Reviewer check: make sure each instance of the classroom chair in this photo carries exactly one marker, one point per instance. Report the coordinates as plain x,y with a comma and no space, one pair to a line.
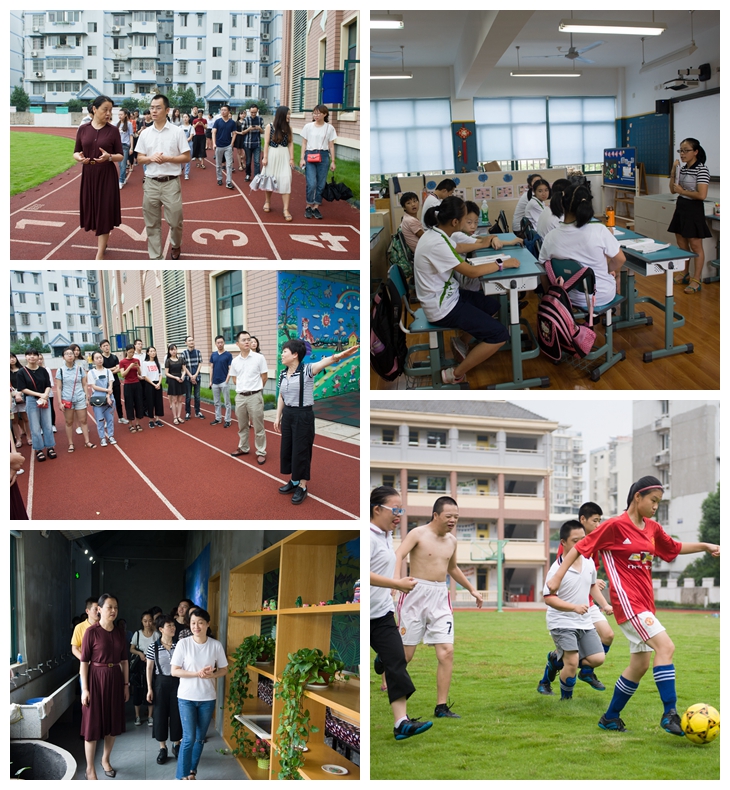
437,360
566,268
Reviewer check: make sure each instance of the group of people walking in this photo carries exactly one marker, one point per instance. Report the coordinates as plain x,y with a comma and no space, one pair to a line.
171,664
166,142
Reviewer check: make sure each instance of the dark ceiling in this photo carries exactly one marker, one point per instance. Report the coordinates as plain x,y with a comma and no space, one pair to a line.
114,543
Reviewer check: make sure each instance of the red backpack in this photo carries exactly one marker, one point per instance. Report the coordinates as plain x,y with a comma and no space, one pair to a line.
557,331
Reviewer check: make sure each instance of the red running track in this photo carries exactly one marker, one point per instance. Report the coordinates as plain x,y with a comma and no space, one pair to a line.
184,472
218,223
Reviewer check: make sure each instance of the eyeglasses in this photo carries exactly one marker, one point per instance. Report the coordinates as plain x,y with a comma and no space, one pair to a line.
685,150
397,511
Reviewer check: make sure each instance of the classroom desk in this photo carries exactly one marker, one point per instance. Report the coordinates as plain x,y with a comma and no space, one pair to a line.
374,233
667,262
507,284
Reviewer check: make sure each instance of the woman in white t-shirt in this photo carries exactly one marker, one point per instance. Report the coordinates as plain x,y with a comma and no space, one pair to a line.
443,302
553,214
590,243
318,156
150,375
141,640
197,661
101,382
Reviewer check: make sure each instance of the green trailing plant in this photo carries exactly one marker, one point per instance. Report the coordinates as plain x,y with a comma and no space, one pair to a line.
248,652
305,666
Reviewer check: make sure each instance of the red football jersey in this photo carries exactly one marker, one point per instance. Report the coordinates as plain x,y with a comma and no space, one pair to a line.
628,553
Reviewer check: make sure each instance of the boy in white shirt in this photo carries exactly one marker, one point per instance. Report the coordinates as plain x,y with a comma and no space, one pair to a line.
445,189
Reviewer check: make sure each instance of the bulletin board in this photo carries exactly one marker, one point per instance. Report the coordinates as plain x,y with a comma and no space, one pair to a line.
649,135
619,167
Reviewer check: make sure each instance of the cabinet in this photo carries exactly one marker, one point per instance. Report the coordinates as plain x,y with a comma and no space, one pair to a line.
306,563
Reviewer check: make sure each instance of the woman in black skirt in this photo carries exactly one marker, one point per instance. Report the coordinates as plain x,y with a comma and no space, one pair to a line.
152,384
690,182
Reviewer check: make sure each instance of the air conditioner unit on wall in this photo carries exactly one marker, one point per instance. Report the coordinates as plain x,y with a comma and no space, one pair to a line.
115,75
34,54
264,59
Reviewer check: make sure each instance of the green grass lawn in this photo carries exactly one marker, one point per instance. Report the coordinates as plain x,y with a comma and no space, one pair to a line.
347,172
509,731
35,158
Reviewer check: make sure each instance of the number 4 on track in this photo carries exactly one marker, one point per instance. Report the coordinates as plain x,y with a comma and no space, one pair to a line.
332,242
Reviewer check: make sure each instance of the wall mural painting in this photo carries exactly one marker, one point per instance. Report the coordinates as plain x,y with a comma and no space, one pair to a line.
196,578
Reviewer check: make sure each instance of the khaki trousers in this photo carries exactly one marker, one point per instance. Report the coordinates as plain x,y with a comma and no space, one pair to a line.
156,195
251,406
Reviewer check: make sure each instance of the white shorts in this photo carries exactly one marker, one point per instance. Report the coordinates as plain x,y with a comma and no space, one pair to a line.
639,628
425,615
596,614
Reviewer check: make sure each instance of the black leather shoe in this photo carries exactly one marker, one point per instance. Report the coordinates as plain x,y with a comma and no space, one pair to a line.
175,749
162,756
299,496
288,488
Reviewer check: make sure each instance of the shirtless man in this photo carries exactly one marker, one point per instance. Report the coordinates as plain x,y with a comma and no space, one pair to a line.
425,613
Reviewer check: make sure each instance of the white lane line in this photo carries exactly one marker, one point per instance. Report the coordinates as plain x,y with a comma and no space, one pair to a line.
273,433
53,191
28,241
29,504
144,477
257,468
70,236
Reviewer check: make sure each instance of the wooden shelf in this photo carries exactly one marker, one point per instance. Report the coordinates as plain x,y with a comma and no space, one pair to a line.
251,768
340,697
267,670
338,608
256,707
319,755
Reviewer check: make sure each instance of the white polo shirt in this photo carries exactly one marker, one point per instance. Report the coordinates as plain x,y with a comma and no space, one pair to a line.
533,210
170,141
519,211
382,562
575,588
433,266
547,222
248,371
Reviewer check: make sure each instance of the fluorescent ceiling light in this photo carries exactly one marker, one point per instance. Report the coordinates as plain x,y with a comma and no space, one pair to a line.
391,75
386,21
678,53
545,73
608,27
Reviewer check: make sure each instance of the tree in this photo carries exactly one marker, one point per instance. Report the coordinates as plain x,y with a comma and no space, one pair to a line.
21,346
76,105
260,103
187,100
20,99
130,103
706,565
296,292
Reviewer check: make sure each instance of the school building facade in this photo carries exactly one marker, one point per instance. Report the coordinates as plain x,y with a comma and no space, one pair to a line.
494,459
314,41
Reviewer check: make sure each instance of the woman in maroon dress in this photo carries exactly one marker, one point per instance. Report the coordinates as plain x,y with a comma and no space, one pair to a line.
98,146
104,685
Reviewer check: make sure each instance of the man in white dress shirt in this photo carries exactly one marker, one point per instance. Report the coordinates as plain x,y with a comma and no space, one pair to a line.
163,148
249,373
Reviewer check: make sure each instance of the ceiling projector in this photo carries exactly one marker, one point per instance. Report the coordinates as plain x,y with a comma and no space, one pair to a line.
702,74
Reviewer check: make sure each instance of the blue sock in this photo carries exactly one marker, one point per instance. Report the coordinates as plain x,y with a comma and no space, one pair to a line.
545,678
606,648
622,693
295,482
566,688
664,678
585,670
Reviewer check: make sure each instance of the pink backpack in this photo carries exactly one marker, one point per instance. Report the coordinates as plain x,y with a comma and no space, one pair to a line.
557,331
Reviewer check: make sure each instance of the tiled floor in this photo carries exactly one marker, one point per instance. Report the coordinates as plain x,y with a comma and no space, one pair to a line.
135,753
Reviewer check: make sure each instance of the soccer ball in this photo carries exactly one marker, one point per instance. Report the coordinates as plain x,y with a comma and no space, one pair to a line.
701,723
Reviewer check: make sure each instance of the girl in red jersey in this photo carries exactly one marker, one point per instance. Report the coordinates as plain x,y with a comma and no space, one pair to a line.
628,545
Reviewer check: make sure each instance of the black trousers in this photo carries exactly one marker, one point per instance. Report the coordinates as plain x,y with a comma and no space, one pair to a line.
117,393
133,400
166,709
386,642
297,440
153,401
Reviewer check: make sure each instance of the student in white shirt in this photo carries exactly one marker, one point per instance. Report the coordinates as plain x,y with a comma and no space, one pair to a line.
553,213
150,375
444,189
443,302
197,661
590,243
538,197
522,204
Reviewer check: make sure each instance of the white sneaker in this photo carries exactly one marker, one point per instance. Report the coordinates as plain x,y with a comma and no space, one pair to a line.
123,421
79,431
448,377
112,440
121,184
103,442
54,429
187,178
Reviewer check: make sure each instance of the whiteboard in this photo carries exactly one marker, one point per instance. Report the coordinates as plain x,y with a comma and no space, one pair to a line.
699,118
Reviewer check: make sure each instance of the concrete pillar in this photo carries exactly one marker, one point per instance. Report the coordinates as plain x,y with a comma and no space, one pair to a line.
452,483
500,493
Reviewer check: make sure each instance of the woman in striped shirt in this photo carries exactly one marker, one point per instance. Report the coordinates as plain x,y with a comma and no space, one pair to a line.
690,182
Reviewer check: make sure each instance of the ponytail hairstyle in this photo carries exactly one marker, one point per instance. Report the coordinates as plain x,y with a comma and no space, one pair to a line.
379,495
643,485
701,155
535,184
451,208
556,205
578,201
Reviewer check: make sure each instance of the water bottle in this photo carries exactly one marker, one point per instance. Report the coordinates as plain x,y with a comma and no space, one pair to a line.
610,217
19,659
484,218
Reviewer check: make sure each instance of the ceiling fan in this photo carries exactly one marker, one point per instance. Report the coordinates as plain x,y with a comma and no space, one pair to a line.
572,53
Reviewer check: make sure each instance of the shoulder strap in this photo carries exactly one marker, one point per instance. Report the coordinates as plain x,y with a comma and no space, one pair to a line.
156,650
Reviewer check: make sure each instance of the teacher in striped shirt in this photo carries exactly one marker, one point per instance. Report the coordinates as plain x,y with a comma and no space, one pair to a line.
690,182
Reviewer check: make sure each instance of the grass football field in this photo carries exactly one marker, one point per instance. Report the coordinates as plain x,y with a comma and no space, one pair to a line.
508,731
36,158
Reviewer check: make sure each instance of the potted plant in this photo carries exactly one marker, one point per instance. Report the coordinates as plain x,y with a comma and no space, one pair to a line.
253,648
306,666
261,752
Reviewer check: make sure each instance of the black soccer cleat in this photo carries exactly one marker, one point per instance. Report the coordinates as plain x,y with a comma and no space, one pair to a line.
411,727
443,711
671,723
612,724
378,666
544,687
592,681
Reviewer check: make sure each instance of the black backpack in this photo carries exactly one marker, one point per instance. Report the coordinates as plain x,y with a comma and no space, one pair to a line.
387,342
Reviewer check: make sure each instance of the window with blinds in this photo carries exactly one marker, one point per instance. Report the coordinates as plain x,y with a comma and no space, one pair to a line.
299,58
173,297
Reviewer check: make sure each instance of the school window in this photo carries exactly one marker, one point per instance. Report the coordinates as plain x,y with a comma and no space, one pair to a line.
91,51
248,91
249,45
183,20
234,20
437,485
413,437
664,405
119,89
249,68
413,483
82,319
19,276
84,337
91,27
232,68
229,304
217,27
56,324
409,135
200,71
233,45
118,20
52,286
249,20
232,91
299,60
183,67
68,301
200,20
117,42
387,435
265,50
37,298
81,301
21,298
200,45
436,439
69,319
389,480
580,128
350,77
79,282
264,72
91,74
217,75
183,43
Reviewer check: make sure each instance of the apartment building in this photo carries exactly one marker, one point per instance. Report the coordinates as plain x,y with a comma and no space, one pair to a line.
493,458
223,56
679,443
611,475
59,307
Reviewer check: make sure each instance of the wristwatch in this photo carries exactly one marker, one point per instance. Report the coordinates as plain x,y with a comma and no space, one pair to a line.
499,263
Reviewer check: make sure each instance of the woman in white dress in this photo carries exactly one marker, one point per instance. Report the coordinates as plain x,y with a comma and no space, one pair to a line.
278,158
